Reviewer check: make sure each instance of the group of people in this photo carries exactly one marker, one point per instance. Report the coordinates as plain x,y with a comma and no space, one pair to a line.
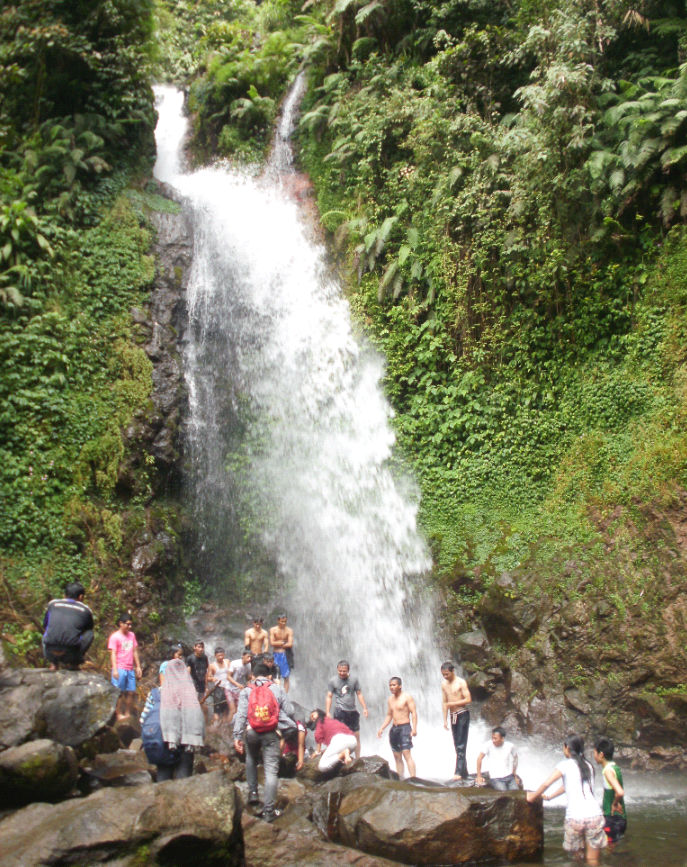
251,692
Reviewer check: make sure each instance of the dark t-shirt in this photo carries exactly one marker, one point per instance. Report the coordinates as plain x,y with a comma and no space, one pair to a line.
65,621
344,692
199,667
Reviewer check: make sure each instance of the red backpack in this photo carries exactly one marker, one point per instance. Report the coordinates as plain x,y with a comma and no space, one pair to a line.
263,708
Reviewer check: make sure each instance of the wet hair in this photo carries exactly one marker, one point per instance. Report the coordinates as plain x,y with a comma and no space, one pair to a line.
257,618
281,617
343,662
268,659
447,666
575,744
499,730
606,747
124,618
73,590
397,679
259,669
219,650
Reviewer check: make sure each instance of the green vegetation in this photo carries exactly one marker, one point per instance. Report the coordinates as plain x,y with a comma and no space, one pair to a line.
503,189
76,117
498,182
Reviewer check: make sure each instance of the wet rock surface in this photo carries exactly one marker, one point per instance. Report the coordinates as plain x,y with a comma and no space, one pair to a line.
177,822
40,770
64,706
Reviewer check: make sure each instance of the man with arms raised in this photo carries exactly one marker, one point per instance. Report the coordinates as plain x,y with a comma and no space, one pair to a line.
400,711
281,639
256,637
455,700
344,689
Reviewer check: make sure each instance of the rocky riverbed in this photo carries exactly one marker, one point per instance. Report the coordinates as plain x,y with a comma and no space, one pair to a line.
77,788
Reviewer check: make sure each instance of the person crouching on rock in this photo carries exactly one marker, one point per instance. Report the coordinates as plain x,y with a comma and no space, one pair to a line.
68,628
337,739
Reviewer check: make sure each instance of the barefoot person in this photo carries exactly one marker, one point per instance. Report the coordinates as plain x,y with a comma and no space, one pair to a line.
281,639
343,689
584,822
125,665
332,736
256,638
400,711
455,700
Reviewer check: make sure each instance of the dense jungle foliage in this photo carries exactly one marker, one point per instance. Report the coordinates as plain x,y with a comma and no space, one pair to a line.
503,188
76,122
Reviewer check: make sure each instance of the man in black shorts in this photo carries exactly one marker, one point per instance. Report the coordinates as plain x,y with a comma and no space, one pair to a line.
68,625
402,714
343,689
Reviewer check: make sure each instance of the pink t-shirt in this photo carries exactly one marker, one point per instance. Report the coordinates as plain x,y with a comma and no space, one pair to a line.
123,646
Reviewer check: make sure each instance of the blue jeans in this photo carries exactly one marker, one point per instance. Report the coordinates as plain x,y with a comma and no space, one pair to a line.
268,744
505,784
459,730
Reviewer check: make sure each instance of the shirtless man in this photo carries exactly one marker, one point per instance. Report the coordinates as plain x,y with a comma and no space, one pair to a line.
281,638
455,699
400,711
256,637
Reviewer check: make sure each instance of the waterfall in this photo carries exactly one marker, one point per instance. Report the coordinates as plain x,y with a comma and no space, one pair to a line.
290,442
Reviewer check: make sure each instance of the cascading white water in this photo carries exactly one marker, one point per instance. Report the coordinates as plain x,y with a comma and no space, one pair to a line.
289,434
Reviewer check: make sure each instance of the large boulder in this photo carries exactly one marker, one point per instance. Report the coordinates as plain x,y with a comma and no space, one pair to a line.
36,771
123,768
178,822
66,706
289,842
428,825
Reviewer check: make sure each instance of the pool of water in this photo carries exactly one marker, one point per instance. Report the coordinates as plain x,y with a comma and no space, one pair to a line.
657,826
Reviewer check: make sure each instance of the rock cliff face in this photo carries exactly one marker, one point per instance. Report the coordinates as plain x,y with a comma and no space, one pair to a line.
154,445
549,666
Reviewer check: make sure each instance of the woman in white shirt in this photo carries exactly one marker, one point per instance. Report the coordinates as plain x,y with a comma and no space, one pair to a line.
584,821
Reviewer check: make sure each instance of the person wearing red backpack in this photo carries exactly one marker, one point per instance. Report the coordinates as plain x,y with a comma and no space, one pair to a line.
263,709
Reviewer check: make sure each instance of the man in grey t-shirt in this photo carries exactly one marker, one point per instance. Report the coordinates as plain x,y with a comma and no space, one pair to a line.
343,689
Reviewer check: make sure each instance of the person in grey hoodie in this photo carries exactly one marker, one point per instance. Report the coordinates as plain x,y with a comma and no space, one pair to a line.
253,743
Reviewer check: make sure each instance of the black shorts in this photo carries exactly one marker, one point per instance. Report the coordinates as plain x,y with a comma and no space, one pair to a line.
350,718
400,738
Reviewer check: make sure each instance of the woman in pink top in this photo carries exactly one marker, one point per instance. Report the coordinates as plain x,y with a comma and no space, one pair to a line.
336,737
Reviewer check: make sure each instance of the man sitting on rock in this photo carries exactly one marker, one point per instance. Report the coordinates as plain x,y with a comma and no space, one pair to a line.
503,762
68,625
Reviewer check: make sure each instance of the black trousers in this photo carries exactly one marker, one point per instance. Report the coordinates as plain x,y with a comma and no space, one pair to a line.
459,730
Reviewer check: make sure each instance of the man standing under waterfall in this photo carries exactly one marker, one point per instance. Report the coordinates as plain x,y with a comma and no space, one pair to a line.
256,637
455,699
402,714
345,689
281,639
